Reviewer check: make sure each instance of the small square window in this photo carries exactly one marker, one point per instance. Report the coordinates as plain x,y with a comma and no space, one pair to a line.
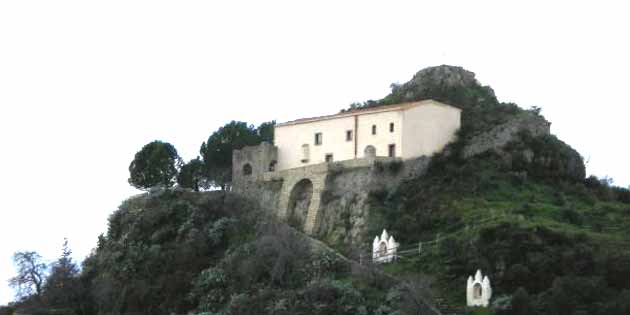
329,158
318,138
349,135
391,127
373,129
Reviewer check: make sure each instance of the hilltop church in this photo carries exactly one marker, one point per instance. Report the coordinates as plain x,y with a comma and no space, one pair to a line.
290,176
406,130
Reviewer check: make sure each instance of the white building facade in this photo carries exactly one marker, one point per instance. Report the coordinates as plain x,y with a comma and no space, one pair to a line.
405,131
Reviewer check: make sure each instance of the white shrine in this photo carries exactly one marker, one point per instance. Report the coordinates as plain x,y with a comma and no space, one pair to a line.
478,290
384,248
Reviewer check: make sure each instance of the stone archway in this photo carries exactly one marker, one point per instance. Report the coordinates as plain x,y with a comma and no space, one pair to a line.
299,203
369,151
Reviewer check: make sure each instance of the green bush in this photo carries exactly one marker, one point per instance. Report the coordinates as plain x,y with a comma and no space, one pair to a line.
330,297
395,166
571,216
618,306
521,303
516,276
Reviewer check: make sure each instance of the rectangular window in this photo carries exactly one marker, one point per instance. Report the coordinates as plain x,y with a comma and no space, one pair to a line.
392,150
349,135
373,129
305,153
391,127
329,158
318,138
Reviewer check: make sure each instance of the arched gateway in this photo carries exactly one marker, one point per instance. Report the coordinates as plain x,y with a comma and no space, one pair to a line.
299,203
300,198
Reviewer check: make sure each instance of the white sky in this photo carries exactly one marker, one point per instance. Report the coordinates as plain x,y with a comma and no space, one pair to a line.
85,84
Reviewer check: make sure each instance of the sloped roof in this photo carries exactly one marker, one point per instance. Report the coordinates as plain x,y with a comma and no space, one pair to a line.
364,111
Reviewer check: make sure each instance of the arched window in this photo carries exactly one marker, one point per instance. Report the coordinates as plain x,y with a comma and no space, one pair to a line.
305,153
370,151
247,169
272,166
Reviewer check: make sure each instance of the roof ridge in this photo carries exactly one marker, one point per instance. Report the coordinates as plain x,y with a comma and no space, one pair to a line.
360,111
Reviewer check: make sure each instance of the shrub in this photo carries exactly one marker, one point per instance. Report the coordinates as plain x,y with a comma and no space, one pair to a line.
521,303
622,194
571,216
517,276
559,199
325,264
328,195
395,166
378,167
619,305
6,310
525,210
210,289
330,297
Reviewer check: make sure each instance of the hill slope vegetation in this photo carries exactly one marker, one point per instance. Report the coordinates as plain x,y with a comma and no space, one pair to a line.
551,240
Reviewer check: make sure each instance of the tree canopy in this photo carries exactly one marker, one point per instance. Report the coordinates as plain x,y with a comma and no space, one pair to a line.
31,273
62,287
265,131
156,164
217,151
192,175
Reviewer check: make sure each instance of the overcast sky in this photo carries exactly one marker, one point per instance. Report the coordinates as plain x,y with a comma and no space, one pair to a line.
85,84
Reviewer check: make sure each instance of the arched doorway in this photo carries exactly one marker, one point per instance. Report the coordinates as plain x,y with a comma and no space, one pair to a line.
477,291
370,151
299,202
382,249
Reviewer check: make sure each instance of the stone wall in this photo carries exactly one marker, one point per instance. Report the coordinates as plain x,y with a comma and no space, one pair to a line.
260,158
338,210
501,135
339,206
253,186
345,202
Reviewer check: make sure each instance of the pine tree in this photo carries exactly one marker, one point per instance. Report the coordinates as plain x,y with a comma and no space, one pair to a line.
62,285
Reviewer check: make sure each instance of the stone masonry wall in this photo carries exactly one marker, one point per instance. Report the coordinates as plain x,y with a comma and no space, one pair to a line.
345,203
339,209
259,157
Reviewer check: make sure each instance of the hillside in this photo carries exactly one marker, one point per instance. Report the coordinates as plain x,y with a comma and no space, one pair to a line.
524,214
551,240
173,252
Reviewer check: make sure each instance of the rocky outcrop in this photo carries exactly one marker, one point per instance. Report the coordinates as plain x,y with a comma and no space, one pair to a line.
526,144
449,84
503,134
426,81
